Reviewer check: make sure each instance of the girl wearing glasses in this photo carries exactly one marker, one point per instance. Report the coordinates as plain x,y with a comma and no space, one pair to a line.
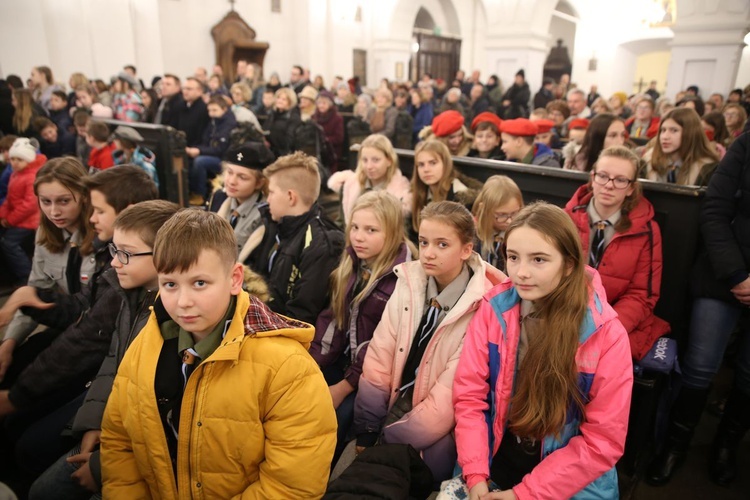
498,202
63,258
622,240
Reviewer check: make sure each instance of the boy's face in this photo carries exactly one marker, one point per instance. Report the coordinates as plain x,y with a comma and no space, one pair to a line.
512,146
215,111
140,270
486,140
56,103
198,298
103,216
17,164
49,133
279,199
545,138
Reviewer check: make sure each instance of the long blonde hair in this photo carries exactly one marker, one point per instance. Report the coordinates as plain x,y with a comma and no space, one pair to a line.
497,191
387,210
24,110
547,380
382,144
694,145
419,189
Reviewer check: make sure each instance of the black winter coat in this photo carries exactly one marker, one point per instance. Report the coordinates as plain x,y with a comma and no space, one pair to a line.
193,120
724,256
216,136
519,96
76,353
309,249
281,126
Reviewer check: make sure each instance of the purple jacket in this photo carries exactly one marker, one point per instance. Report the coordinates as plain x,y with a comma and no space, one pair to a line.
330,342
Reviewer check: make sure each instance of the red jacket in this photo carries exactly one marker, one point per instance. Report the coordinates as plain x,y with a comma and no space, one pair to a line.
102,158
653,128
630,269
20,208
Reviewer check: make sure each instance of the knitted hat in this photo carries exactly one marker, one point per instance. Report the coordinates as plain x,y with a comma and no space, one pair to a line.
252,155
22,149
521,127
581,123
308,92
324,94
521,73
544,126
622,96
447,123
486,117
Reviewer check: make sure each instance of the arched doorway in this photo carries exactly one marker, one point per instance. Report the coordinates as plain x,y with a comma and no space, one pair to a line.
433,52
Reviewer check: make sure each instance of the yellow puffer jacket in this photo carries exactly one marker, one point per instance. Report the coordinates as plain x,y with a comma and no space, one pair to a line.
258,414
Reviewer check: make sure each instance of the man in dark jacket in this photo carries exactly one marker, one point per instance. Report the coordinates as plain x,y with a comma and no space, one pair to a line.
193,116
171,104
516,99
544,96
301,246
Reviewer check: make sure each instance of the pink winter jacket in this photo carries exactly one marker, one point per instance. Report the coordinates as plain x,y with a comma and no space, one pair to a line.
580,463
399,186
431,417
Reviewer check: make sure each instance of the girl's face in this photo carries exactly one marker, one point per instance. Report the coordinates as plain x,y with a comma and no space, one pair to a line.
375,164
503,215
84,99
60,205
237,96
441,251
366,235
534,265
429,168
615,134
323,105
36,77
670,136
214,84
282,102
146,98
608,197
239,182
17,164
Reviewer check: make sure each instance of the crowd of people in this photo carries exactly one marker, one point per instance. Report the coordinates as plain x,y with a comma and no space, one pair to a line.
431,325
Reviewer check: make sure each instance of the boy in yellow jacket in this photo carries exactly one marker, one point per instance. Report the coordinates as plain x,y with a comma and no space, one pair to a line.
217,397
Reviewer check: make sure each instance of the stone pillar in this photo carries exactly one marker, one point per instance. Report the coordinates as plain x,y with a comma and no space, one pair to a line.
707,45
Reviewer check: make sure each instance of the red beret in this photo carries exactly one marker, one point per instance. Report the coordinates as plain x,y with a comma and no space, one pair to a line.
447,123
522,127
486,117
578,123
544,126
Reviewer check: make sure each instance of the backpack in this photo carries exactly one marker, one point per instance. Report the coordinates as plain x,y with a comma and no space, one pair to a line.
242,133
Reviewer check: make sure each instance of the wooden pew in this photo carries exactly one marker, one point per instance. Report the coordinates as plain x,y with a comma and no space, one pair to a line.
171,165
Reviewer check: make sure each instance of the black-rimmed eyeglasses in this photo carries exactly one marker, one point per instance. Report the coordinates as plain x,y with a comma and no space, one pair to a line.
618,182
124,256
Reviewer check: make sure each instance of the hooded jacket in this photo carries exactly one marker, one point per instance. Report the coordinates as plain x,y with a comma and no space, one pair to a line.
630,270
247,429
21,208
580,462
431,418
347,182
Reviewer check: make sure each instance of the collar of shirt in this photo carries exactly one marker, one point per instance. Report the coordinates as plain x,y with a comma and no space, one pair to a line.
594,217
206,346
246,206
450,294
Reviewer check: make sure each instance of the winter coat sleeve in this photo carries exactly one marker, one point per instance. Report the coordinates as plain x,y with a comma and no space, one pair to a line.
470,398
635,303
27,206
371,404
90,414
720,207
68,308
80,349
120,473
329,342
601,442
316,265
299,438
432,418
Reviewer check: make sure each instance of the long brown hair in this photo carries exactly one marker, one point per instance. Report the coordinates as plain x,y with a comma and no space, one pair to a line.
420,189
24,111
694,145
387,210
496,192
593,141
547,381
631,201
71,173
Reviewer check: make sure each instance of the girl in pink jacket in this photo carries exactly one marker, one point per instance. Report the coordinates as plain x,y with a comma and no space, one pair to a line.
407,378
542,390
